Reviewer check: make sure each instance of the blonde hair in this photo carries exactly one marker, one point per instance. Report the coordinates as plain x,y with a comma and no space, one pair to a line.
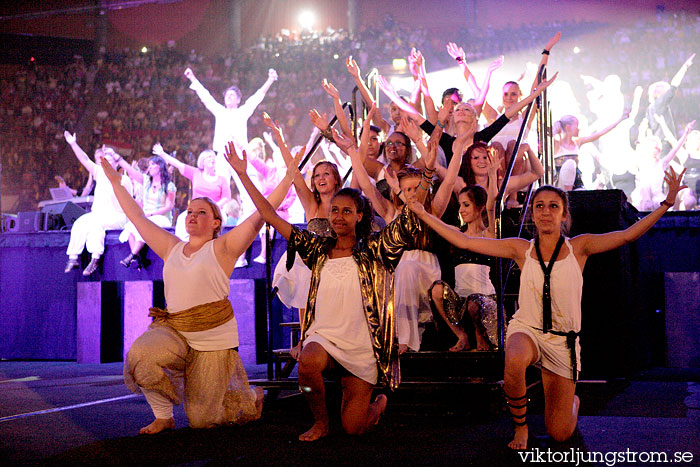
215,210
202,156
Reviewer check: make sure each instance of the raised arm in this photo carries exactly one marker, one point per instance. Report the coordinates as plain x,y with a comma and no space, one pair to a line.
481,97
266,209
88,185
79,153
133,174
444,192
588,139
679,144
338,107
513,110
390,92
415,134
304,193
354,71
416,65
203,94
159,240
589,244
460,57
518,182
380,204
680,74
179,165
512,248
254,101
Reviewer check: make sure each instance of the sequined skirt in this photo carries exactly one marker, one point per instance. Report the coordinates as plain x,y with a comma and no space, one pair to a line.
455,307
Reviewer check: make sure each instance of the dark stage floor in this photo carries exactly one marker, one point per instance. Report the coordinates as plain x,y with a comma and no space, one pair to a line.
89,417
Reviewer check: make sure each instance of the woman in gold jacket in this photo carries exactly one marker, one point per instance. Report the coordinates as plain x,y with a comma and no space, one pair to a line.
349,320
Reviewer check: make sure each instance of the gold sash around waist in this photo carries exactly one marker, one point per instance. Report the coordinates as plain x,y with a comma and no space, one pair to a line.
197,318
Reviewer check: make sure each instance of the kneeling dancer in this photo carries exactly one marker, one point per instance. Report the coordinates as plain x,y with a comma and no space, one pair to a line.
348,322
545,330
189,354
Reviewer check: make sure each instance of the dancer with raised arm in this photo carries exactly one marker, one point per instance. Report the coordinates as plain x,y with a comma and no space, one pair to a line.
205,182
89,230
196,338
545,329
348,323
158,201
231,124
293,283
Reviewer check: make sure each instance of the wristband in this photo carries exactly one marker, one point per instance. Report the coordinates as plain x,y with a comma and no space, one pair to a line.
398,195
545,52
441,125
459,59
666,203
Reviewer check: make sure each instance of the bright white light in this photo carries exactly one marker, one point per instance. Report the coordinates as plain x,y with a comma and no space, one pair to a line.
398,83
307,19
399,63
336,56
577,50
144,49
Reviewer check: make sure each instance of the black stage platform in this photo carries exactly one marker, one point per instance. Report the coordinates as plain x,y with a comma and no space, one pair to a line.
70,414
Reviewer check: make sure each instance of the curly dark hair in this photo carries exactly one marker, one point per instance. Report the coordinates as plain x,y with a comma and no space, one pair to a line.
364,227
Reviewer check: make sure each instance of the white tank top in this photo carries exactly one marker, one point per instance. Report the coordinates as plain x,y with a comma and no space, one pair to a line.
566,286
473,278
195,280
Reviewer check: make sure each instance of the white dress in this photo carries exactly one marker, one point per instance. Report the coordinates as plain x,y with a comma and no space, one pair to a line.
293,285
413,276
340,324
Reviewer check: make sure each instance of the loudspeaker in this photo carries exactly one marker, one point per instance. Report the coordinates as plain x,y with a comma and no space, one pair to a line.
613,334
60,216
27,222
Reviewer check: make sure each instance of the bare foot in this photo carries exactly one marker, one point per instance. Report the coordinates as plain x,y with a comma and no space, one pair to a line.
577,404
259,399
462,343
482,343
519,442
403,348
379,407
318,431
158,425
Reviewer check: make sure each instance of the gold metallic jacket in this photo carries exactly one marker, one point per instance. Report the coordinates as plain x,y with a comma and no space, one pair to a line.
376,259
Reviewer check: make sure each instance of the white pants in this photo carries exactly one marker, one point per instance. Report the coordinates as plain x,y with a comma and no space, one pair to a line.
89,231
180,230
130,229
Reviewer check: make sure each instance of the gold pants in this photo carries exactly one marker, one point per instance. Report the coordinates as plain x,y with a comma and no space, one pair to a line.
214,384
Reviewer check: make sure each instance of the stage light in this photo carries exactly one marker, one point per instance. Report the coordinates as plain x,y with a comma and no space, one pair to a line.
577,50
399,64
144,49
306,19
336,56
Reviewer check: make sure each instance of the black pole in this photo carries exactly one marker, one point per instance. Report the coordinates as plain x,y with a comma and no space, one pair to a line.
499,227
268,298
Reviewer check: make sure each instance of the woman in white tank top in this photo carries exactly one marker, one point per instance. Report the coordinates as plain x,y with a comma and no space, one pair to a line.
532,337
197,336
